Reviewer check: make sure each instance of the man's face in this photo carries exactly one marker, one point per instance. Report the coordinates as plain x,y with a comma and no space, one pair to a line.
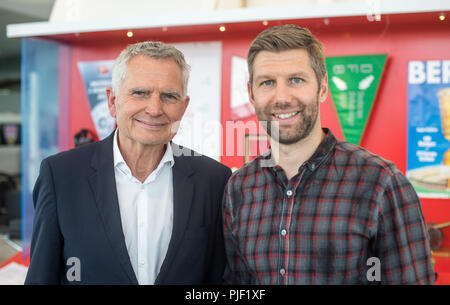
285,91
150,102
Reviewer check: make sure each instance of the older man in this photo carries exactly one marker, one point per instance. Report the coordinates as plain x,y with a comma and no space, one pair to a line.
315,209
134,208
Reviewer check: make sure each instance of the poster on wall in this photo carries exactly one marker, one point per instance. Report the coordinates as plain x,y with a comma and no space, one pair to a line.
428,166
200,128
240,103
353,82
96,77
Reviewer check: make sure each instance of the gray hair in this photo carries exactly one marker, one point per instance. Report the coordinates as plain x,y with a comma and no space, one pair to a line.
152,49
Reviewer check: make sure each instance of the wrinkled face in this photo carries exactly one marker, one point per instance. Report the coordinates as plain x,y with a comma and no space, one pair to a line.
286,95
150,103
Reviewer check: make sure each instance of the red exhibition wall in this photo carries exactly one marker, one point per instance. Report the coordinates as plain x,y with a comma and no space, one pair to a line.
403,37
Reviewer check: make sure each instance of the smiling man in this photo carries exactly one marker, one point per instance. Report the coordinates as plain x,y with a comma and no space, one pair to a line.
315,209
130,209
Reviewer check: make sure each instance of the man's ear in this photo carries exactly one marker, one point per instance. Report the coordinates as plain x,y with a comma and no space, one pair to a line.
323,91
112,100
186,103
250,93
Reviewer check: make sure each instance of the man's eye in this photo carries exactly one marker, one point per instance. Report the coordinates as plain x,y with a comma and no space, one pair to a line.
172,98
296,80
168,96
139,93
267,83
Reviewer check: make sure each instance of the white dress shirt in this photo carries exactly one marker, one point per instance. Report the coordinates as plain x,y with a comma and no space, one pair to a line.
146,212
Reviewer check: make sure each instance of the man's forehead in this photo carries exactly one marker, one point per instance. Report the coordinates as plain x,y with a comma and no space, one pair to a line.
290,62
138,69
146,64
288,55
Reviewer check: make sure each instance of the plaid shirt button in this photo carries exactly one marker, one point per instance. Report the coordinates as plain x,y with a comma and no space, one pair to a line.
283,232
282,271
289,193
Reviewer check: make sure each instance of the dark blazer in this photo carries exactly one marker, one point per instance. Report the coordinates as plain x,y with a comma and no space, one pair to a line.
77,215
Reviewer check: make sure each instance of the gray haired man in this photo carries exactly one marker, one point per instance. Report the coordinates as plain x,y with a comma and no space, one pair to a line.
128,209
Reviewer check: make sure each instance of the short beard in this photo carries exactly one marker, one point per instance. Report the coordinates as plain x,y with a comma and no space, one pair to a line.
309,115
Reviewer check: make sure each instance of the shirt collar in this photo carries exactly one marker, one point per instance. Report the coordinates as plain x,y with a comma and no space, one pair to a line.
325,147
120,163
322,151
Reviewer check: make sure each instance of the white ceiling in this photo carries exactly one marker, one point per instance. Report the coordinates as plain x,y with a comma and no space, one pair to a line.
20,11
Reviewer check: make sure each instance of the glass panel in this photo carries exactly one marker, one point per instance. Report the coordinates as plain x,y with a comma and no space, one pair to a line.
40,111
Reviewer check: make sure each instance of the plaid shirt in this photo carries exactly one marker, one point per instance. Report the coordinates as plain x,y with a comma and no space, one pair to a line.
344,206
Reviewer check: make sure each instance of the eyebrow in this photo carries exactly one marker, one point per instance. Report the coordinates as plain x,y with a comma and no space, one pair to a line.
175,93
295,74
132,90
147,91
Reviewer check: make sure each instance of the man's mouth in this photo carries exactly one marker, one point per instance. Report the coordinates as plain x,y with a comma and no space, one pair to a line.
284,116
152,124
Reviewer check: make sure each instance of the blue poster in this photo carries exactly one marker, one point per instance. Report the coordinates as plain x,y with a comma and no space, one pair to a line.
96,77
428,166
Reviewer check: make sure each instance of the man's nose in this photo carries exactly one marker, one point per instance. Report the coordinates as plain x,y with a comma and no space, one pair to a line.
154,105
281,92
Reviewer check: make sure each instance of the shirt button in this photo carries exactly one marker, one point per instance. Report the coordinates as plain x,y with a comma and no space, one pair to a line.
313,166
282,271
289,193
141,263
283,232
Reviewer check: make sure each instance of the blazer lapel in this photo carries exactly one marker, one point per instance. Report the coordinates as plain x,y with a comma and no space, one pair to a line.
103,185
183,190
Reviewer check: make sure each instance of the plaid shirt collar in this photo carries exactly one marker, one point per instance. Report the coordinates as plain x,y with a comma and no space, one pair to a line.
322,152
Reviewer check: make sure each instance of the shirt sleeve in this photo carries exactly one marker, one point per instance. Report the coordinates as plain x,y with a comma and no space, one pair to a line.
402,241
230,243
236,271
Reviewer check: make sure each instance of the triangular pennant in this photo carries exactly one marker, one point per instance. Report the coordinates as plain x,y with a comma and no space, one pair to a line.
353,83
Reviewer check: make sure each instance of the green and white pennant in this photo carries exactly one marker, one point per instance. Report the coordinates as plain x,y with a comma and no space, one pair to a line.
353,83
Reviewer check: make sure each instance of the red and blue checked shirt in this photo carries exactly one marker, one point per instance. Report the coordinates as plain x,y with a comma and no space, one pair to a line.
347,217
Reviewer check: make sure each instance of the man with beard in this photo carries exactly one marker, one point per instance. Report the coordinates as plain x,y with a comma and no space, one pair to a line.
315,209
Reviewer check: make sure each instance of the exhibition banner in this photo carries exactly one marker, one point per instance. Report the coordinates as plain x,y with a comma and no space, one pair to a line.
428,166
353,83
241,108
96,77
